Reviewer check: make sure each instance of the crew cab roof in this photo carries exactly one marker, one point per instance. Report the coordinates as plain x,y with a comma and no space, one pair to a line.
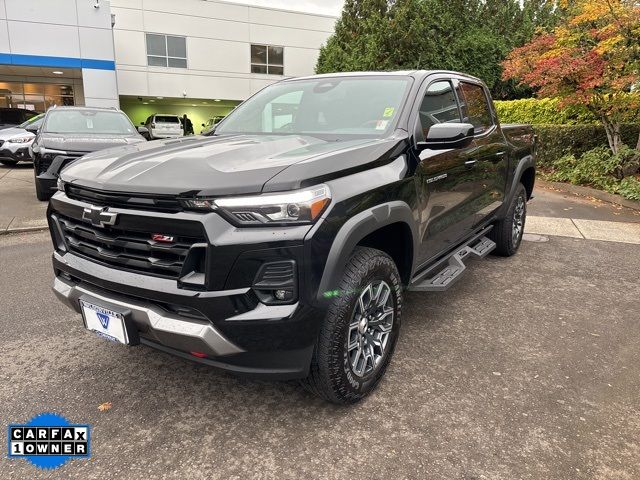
405,73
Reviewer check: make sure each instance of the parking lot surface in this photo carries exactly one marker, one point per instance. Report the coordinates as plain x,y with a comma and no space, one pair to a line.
527,369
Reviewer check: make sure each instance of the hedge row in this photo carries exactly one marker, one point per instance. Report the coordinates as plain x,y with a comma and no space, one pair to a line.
554,141
543,111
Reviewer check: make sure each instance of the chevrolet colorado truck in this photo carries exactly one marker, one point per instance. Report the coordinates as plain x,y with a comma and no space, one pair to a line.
280,244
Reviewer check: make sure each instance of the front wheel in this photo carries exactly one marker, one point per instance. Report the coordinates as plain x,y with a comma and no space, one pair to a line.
360,330
507,233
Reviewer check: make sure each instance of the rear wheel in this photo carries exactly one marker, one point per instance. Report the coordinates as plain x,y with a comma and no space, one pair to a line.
360,331
507,233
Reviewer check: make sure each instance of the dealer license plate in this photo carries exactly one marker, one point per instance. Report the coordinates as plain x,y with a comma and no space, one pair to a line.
106,323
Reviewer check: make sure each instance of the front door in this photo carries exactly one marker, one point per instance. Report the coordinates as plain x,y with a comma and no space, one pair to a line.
444,190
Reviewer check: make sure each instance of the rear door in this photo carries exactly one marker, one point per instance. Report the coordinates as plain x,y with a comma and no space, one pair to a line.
488,167
444,190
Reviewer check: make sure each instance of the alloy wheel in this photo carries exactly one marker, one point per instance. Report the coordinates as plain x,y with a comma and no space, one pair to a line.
370,328
518,220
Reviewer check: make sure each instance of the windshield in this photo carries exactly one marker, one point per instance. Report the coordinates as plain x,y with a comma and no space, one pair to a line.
89,122
37,121
326,106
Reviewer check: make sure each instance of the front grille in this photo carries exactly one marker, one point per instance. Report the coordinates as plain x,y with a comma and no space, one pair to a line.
159,203
130,250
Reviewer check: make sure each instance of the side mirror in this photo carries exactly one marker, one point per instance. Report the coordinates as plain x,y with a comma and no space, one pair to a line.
443,136
32,128
143,130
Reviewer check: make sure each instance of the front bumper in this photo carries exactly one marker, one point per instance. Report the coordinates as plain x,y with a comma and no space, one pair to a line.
155,323
15,151
181,335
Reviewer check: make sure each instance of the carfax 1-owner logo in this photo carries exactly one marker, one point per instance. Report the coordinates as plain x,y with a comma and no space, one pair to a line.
49,440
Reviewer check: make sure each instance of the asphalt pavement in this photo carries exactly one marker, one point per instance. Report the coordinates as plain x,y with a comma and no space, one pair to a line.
19,208
528,368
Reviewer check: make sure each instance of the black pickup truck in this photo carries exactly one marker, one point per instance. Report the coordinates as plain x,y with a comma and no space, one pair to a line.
280,243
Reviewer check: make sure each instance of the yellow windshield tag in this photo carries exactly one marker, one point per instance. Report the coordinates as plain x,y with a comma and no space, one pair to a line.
388,112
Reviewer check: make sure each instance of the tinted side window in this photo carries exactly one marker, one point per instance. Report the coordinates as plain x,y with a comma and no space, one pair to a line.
14,117
475,108
438,106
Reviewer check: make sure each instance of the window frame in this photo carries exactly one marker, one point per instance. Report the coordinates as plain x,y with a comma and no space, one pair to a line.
494,124
166,46
267,64
418,126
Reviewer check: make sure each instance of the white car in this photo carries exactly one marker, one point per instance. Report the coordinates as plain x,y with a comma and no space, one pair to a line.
15,142
163,126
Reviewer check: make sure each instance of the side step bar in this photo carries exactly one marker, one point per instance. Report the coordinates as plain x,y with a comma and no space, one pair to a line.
454,266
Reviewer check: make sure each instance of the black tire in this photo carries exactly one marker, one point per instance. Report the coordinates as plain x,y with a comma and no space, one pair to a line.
507,242
331,374
9,163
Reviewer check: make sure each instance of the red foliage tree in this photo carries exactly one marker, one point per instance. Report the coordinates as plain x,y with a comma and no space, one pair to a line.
592,58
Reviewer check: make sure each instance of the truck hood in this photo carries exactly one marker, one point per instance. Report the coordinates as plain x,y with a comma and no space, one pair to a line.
223,165
69,142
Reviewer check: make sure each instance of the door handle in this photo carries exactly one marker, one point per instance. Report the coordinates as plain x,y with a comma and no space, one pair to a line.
470,163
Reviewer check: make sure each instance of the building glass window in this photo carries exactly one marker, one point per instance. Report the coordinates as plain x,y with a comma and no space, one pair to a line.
166,51
35,96
267,59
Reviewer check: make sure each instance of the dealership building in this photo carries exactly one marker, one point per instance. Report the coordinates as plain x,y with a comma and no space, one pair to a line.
194,57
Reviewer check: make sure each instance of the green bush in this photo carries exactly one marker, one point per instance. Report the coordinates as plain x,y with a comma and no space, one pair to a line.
629,187
555,141
602,169
543,111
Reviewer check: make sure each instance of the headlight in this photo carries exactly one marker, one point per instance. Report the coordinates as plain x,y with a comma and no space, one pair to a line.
20,140
299,207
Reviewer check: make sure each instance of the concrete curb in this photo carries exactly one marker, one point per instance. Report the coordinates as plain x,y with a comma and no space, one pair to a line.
589,192
24,229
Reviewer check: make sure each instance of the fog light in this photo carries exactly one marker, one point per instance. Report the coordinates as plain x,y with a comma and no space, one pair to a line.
280,294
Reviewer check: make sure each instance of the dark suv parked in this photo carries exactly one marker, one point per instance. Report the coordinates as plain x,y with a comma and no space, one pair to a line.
68,133
280,244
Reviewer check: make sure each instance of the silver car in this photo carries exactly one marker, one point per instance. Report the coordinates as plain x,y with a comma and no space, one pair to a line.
15,141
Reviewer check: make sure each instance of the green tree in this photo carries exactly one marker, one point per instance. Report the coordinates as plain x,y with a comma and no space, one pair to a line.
360,38
473,36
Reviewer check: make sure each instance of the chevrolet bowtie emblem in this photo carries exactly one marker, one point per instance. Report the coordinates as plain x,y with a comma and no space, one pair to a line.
98,216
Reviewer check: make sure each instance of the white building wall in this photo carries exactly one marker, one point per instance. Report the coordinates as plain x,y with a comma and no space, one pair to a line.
219,36
64,34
